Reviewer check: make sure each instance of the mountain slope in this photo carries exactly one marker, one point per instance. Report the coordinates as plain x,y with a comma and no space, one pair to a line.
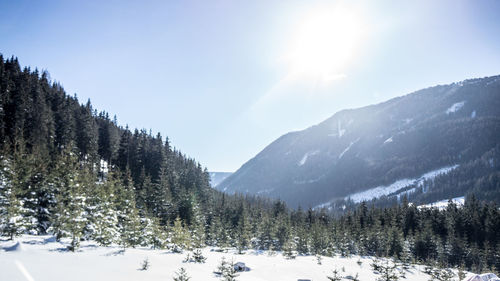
377,145
218,177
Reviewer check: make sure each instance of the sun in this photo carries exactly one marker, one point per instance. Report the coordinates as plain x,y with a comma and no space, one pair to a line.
324,43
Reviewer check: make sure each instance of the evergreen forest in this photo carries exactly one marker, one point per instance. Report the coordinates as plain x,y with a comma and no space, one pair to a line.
72,171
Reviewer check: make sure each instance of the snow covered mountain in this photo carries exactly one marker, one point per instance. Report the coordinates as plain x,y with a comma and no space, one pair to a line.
217,177
438,134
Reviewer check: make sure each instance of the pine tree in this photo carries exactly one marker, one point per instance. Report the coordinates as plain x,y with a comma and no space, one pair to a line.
123,155
303,241
344,245
146,229
104,213
406,255
107,137
128,217
242,232
106,231
161,197
86,133
102,216
221,267
69,215
64,177
441,274
145,265
11,219
226,270
158,234
197,227
388,271
57,218
181,275
35,192
461,273
223,237
45,201
335,276
198,256
267,233
319,239
282,230
212,231
74,216
230,273
396,242
21,174
319,259
179,237
290,249
4,190
144,188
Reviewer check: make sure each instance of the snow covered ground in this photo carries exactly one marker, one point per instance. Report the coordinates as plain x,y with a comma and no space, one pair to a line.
388,140
397,185
307,155
41,258
455,107
348,147
444,203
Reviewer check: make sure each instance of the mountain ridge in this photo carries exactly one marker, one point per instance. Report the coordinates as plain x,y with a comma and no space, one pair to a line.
403,137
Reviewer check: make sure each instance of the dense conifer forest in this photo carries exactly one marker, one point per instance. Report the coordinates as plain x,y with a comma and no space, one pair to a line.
71,171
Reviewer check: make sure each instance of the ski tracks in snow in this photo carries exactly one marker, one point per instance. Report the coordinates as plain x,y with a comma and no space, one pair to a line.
23,270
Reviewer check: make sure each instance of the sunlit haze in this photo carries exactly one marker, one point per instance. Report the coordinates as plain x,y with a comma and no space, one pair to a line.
223,79
324,42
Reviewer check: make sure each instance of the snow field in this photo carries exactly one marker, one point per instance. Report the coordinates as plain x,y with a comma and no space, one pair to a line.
442,204
304,158
397,185
455,107
41,258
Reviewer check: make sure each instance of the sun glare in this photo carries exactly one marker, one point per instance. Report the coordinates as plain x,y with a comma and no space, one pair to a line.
324,44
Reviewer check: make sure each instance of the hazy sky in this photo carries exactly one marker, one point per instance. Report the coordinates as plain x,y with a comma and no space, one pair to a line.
223,79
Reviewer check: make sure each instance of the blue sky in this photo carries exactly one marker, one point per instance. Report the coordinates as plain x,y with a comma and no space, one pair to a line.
223,79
